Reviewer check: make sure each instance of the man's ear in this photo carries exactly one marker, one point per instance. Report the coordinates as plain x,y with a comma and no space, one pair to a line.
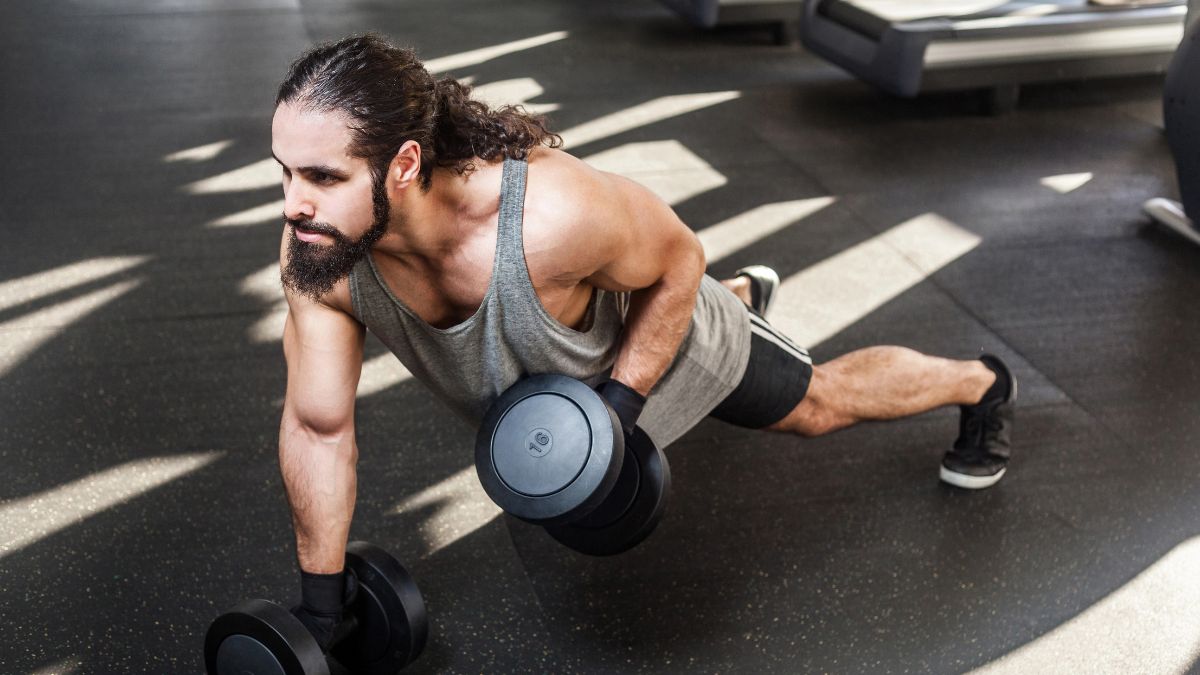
405,168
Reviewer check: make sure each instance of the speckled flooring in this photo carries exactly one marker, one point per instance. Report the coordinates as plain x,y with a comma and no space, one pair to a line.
140,376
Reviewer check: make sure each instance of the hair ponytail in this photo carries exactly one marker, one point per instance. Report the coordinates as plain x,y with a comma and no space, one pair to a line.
390,98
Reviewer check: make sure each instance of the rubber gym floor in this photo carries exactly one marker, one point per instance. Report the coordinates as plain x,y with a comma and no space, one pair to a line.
141,373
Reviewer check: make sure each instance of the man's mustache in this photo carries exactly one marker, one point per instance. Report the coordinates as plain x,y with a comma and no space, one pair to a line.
311,226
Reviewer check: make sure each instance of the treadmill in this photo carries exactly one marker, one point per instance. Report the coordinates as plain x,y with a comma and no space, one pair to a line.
908,47
781,15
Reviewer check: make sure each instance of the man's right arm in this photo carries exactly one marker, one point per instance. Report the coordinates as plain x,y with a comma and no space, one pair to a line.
317,450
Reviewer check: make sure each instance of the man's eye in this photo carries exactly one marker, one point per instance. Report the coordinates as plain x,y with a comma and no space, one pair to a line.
322,178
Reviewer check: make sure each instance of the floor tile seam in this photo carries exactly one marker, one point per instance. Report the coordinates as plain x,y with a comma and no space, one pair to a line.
199,316
143,362
532,588
145,320
1039,243
1126,111
823,188
1092,416
719,166
681,87
975,316
310,35
791,160
182,13
1016,241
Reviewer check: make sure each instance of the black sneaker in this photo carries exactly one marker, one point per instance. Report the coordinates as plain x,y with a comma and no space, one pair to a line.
980,454
763,282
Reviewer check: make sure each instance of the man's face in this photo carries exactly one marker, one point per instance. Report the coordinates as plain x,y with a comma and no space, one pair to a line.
333,209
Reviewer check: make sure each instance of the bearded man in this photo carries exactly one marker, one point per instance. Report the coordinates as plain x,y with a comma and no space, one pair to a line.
479,253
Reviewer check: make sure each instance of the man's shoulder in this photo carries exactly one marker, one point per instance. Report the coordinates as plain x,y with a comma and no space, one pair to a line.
338,297
335,301
559,168
562,190
573,215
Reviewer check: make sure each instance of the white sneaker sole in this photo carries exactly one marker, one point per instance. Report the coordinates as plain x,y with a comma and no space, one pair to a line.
1170,213
969,482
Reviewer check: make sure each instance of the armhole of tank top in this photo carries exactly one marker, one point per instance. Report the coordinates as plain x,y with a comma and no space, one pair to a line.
356,303
513,244
510,232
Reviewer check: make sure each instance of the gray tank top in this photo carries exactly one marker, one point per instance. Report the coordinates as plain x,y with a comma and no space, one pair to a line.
511,336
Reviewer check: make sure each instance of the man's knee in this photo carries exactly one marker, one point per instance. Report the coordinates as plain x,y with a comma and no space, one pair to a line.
806,420
817,414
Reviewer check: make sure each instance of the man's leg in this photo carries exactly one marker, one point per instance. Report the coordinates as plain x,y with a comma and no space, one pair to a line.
755,285
783,391
877,383
883,383
740,287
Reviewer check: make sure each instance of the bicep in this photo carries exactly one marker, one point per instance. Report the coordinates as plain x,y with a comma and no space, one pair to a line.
323,348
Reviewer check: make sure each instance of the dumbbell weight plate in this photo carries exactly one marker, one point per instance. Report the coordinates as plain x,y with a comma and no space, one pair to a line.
549,449
260,637
623,522
392,624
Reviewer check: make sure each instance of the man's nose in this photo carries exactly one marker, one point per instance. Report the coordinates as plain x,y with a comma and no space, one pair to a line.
297,202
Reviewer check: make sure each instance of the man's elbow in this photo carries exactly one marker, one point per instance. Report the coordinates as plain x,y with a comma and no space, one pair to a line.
689,260
329,431
701,258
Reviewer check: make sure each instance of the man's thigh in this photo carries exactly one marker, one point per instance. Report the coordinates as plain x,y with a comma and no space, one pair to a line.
776,380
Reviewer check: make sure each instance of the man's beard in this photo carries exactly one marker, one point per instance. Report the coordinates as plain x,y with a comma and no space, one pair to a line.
314,269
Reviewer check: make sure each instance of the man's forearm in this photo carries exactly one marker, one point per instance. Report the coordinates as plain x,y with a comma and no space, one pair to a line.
320,478
655,326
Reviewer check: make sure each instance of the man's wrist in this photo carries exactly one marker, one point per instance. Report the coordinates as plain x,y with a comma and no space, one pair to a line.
323,593
626,401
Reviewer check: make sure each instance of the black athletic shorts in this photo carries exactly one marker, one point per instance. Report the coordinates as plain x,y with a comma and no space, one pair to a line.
776,379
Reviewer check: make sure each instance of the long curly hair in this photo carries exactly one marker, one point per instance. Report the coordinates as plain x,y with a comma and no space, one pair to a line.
390,98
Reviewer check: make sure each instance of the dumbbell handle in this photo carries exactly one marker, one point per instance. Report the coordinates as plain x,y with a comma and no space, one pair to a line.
341,630
345,627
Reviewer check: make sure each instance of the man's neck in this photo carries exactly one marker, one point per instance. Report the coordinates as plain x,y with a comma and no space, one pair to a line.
428,225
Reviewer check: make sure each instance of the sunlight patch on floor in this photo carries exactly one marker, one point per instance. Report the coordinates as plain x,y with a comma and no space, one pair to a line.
667,168
1149,625
824,299
22,336
641,115
760,222
1067,182
42,284
475,57
200,153
457,507
26,520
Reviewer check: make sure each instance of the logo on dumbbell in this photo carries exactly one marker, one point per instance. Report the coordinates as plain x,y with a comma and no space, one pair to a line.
539,442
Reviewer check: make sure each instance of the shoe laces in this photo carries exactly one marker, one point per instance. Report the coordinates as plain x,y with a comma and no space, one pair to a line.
980,425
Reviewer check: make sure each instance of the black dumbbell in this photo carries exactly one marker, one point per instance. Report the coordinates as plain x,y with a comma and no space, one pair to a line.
551,451
384,629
